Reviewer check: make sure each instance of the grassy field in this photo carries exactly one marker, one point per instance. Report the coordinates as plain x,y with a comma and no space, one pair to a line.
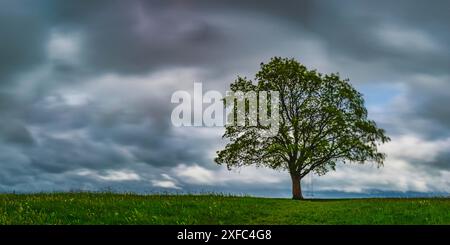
108,208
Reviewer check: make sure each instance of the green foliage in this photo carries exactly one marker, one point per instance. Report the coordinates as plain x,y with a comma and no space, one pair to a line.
323,122
108,208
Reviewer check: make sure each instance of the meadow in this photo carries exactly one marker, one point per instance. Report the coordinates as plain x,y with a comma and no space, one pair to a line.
110,208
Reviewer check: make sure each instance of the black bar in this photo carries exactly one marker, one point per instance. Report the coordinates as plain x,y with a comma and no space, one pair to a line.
167,233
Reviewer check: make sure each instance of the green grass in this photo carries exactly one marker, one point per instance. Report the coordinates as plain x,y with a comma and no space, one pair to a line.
108,208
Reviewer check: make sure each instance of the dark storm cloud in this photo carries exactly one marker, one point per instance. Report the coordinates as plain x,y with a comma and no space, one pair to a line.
95,135
74,154
382,31
22,36
138,36
441,162
357,29
434,165
127,37
15,132
44,138
437,110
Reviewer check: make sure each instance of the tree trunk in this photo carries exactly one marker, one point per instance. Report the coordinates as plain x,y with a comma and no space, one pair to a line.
296,187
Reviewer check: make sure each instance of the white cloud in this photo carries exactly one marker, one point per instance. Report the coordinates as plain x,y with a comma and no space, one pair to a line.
166,182
407,39
397,174
413,147
195,174
119,175
198,175
111,175
64,47
75,99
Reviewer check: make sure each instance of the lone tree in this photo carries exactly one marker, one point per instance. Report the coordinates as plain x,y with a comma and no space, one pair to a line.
323,121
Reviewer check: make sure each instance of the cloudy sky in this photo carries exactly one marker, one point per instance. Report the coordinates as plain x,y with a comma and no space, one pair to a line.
85,89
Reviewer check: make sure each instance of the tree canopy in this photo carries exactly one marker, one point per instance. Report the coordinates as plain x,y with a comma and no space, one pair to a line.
323,121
